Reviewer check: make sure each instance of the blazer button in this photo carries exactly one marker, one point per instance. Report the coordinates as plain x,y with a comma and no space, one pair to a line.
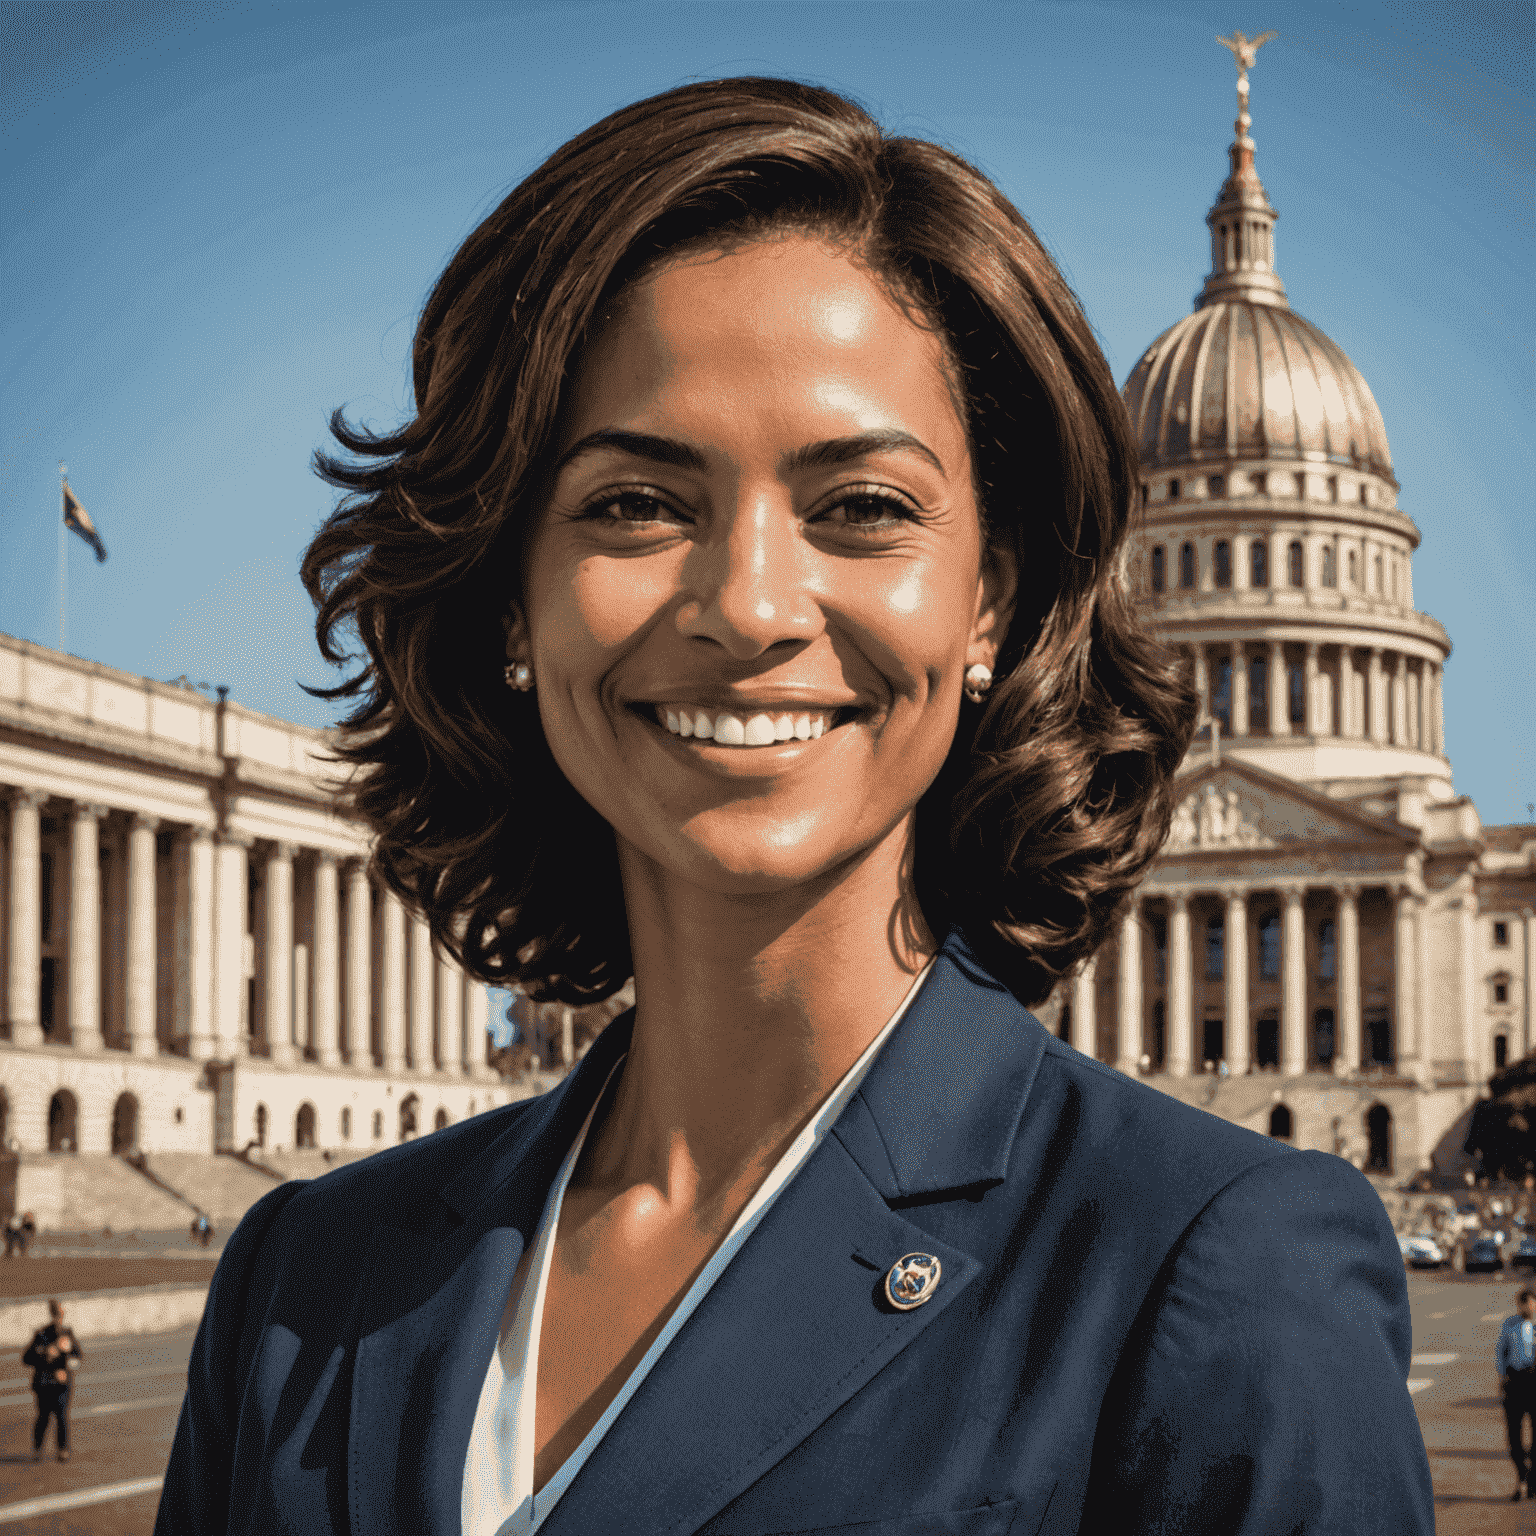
912,1280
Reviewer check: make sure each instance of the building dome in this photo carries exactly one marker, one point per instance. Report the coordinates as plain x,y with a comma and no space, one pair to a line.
1250,379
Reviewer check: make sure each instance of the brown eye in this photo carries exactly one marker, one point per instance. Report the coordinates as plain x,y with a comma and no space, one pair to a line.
629,508
868,510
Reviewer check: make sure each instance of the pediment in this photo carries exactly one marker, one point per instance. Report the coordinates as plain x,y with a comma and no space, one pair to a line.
1235,806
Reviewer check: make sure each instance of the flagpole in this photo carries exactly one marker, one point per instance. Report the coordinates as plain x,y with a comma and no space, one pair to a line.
63,566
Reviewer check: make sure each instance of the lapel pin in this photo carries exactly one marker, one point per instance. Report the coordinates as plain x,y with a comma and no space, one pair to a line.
912,1280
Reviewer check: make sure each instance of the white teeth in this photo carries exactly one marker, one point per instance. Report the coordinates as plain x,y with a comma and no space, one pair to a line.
731,730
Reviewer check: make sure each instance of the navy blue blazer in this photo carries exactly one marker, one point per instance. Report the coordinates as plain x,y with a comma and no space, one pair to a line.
1148,1321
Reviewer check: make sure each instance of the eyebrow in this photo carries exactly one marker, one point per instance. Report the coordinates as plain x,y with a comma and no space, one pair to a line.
830,451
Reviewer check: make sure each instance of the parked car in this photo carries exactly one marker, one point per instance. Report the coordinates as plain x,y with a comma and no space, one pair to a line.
1423,1252
1482,1254
1524,1256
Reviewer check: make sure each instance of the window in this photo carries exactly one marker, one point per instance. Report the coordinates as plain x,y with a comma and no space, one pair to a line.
378,1124
1333,487
1301,487
1159,949
1296,690
1266,1040
1145,494
1186,565
1159,568
1258,694
1377,573
1259,564
1501,991
1326,952
1354,580
1365,494
440,1120
1216,485
1223,563
45,877
1500,1051
1215,948
1260,484
1280,1122
1269,948
1173,490
1221,693
1294,555
1322,1037
1330,567
1500,935
346,1125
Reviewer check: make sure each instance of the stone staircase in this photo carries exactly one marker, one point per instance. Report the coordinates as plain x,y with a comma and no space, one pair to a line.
224,1187
91,1190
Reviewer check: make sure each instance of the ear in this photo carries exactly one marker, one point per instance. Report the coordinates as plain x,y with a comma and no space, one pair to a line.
996,591
515,628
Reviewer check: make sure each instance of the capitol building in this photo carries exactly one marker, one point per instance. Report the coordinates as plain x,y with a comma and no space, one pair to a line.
1331,948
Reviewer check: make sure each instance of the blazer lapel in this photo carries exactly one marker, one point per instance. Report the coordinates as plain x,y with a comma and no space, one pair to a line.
797,1323
424,1342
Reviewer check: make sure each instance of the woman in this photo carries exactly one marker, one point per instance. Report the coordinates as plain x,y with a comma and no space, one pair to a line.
749,440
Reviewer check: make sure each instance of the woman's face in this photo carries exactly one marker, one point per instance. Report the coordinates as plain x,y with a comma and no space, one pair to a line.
759,579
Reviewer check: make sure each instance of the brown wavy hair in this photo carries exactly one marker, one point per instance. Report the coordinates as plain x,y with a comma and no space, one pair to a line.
1054,797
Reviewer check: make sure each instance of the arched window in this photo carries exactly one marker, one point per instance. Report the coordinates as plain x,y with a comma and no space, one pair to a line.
1293,554
1258,557
440,1120
1259,484
378,1124
1223,563
1354,579
125,1124
1280,1122
62,1117
1258,694
1215,947
1296,693
1216,485
408,1108
1159,568
1173,490
1330,567
1333,487
1301,487
261,1125
1186,564
1501,989
1378,1129
1326,951
1323,1037
1269,947
304,1126
346,1123
1500,1051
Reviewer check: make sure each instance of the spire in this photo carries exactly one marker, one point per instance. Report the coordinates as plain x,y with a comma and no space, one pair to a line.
1241,221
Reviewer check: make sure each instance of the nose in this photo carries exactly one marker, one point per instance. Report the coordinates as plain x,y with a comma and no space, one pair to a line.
750,581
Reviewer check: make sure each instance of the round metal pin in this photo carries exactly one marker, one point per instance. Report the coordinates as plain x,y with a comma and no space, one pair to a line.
912,1280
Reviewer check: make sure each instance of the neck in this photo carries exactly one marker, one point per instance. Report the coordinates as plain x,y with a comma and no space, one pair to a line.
748,1011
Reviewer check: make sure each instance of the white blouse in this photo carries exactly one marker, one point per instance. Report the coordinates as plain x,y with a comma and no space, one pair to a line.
498,1497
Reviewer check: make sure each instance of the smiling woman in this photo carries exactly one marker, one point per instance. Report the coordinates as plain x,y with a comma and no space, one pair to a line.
744,609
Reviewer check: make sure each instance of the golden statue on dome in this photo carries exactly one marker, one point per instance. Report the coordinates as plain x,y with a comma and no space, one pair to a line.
1244,51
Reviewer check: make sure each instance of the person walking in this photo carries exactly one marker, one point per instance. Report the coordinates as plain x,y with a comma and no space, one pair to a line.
12,1234
1515,1359
53,1354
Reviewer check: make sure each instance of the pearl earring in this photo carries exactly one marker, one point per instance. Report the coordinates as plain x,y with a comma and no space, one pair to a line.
519,675
977,680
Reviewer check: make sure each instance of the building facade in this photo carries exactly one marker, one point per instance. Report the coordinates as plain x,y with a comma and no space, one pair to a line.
194,957
1331,947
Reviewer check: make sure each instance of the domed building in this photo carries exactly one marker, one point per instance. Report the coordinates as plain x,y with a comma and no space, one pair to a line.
1331,948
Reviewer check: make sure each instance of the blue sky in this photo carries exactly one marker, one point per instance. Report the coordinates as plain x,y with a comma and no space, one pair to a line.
220,222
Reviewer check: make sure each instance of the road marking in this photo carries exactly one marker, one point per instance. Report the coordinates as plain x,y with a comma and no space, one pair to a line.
77,1500
1418,1383
89,1379
1434,1359
98,1409
1433,1316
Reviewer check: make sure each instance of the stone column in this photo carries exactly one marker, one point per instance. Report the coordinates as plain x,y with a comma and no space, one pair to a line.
392,982
423,967
1180,1038
477,1012
1406,1045
450,1017
327,963
24,951
1439,715
1346,693
1202,679
1279,692
1347,931
1084,1015
140,982
85,927
1128,1025
1399,711
303,1026
1375,711
194,942
1293,984
1239,689
1472,1038
1311,705
359,1043
231,902
1235,946
277,962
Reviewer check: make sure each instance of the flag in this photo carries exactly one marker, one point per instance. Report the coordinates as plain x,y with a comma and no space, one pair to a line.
76,517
